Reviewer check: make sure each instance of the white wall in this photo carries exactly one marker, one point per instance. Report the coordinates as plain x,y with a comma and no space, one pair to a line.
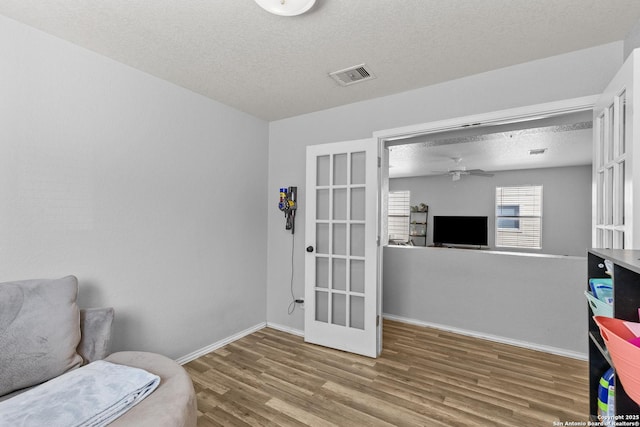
576,74
534,300
153,196
566,223
632,40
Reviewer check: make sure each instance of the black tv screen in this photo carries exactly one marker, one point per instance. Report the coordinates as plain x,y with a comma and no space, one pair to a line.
460,230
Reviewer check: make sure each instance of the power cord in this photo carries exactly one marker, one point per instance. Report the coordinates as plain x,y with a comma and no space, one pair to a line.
294,300
292,305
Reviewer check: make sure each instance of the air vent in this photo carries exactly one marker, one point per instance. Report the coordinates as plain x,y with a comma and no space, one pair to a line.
352,75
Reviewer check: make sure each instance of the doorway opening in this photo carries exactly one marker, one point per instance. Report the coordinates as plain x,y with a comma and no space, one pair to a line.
456,167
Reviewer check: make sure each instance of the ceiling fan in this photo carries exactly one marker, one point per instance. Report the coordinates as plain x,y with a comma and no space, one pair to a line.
458,170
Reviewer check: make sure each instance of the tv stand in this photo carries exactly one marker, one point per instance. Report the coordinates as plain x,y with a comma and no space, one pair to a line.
440,245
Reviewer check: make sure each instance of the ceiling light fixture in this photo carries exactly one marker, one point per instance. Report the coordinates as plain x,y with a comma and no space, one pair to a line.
286,7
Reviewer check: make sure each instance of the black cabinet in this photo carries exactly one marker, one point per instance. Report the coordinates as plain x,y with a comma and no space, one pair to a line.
626,302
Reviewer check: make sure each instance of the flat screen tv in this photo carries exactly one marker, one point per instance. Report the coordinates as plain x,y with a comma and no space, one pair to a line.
460,230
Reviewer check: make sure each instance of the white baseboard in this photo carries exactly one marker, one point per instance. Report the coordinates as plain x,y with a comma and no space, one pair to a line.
287,329
495,338
216,345
547,349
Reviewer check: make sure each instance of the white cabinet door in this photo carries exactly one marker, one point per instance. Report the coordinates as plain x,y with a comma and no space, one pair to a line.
341,298
615,213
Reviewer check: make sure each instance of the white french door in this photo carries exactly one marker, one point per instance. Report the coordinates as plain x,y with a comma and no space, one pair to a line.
615,163
341,284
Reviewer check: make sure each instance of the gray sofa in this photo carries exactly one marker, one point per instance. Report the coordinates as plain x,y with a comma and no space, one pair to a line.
44,334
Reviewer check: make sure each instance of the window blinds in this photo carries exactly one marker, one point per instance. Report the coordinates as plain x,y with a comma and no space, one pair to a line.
519,216
399,215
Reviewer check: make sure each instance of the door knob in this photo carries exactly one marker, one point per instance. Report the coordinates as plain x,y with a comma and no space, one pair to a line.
309,248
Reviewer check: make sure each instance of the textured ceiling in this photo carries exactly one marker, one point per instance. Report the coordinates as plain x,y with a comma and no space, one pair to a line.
275,67
567,141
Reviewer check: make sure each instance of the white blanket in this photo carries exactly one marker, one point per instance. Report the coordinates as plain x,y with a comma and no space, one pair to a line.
93,395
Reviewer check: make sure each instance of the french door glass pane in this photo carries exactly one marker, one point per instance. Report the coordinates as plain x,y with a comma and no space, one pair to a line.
356,274
340,169
322,238
339,274
357,239
600,238
322,170
340,203
358,167
357,204
622,171
322,204
608,213
600,198
619,199
623,123
322,306
339,309
610,129
356,312
600,142
339,239
617,239
322,272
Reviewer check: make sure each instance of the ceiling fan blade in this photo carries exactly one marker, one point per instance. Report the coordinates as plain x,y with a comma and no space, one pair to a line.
479,172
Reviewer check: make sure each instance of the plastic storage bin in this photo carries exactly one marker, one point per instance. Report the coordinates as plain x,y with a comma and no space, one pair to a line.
602,289
606,398
625,356
599,308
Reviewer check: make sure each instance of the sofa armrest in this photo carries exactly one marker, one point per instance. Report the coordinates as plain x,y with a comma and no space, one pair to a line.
95,339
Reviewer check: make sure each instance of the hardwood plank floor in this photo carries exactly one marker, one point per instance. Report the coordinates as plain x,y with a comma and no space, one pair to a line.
424,377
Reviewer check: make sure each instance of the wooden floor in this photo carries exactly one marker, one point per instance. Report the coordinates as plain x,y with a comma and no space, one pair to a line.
424,377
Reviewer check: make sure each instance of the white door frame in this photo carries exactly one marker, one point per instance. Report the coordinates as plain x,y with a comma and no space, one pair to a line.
511,115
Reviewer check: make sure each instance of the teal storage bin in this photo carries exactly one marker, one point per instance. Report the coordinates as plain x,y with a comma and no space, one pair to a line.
602,288
599,308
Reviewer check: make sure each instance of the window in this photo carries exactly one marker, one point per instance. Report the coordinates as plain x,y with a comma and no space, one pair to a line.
507,217
519,217
399,216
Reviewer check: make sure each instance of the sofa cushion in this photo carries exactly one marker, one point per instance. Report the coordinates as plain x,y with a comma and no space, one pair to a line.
39,331
95,330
